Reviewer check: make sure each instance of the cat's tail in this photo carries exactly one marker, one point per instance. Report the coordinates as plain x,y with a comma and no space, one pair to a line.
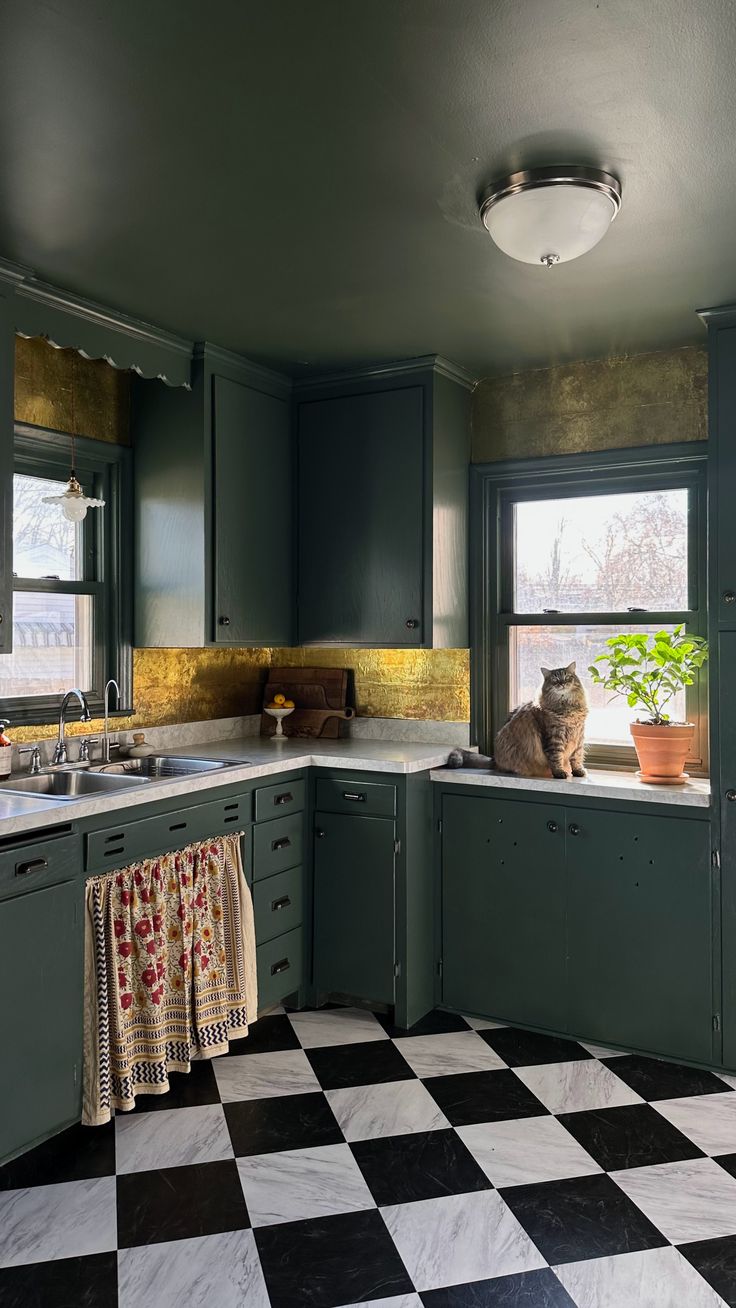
467,758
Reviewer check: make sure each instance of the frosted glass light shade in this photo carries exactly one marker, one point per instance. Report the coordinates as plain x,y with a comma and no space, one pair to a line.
552,215
74,503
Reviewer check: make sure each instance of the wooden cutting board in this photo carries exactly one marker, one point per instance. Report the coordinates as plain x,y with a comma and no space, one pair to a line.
320,696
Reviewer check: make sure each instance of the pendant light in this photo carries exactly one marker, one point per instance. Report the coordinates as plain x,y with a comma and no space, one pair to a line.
74,503
548,216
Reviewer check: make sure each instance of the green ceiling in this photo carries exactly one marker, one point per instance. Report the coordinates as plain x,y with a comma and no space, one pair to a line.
297,179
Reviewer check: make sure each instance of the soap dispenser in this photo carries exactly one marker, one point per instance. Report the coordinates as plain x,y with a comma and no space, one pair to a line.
6,749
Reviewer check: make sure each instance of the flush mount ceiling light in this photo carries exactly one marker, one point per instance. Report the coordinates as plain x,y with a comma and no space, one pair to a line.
550,215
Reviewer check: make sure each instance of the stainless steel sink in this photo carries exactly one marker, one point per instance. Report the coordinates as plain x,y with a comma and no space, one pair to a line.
72,784
161,767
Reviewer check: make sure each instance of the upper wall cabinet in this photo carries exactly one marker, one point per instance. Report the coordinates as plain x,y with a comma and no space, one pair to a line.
214,511
382,525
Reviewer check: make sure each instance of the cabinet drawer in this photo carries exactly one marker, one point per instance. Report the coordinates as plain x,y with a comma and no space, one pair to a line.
277,801
39,864
277,845
278,904
116,846
367,797
280,968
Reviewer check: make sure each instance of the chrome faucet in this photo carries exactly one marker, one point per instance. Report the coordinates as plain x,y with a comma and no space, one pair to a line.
60,754
107,746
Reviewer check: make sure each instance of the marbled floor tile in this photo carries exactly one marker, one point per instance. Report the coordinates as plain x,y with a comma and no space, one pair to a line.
483,1023
603,1051
520,1048
260,1076
398,1108
691,1200
222,1270
445,1055
402,1169
631,1136
187,1090
727,1079
90,1282
652,1078
396,1301
540,1289
336,1026
77,1154
652,1278
368,1063
573,1087
146,1141
708,1120
716,1262
587,1217
265,1126
180,1203
436,1022
533,1149
327,1261
460,1238
483,1097
301,1183
57,1221
266,1036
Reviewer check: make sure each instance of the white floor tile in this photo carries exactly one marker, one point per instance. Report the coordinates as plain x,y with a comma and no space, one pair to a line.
261,1076
336,1026
397,1301
173,1138
602,1051
460,1238
708,1120
398,1108
572,1087
482,1023
444,1055
690,1200
301,1183
527,1151
222,1270
57,1221
652,1278
728,1079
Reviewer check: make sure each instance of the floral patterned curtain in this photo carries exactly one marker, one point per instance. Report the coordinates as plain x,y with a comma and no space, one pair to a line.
170,970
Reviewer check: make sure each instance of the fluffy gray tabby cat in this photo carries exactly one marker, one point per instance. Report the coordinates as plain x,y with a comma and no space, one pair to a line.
546,736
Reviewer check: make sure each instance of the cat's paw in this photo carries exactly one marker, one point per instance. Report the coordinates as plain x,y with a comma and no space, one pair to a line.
560,774
455,759
579,772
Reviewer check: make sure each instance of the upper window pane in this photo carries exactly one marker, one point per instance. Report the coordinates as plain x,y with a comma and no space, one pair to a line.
602,553
45,543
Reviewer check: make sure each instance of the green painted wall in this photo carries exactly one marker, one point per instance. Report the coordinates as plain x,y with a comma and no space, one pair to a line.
644,399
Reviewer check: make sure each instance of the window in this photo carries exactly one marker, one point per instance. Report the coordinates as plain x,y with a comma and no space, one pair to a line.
70,583
572,551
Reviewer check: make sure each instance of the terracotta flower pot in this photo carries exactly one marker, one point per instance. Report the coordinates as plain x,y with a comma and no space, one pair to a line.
662,751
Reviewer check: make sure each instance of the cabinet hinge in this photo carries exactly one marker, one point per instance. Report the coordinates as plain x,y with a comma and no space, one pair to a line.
715,858
439,967
716,1021
397,969
397,846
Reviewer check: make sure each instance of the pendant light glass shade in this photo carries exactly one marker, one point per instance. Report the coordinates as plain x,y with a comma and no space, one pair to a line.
550,215
74,503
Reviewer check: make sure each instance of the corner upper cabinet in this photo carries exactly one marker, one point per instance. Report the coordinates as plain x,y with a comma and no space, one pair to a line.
214,511
383,484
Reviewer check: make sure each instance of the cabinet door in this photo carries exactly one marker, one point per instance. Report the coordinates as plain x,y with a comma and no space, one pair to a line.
727,743
640,903
503,909
7,372
41,981
361,469
354,906
723,475
252,517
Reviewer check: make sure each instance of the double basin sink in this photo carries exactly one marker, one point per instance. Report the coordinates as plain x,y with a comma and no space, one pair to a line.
107,778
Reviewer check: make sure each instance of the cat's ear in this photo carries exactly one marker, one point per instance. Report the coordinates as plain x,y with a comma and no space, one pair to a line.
545,671
570,667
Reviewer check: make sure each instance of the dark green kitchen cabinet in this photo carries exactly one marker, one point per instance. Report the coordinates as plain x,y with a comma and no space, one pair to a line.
213,506
354,899
503,909
382,508
7,367
725,834
640,970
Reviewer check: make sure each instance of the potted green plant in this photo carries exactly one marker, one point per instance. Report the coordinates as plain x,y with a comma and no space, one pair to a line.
649,670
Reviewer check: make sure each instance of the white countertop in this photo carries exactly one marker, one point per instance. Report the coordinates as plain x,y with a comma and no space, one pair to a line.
597,785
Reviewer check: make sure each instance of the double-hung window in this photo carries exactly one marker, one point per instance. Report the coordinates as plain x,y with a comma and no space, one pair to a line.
570,551
71,612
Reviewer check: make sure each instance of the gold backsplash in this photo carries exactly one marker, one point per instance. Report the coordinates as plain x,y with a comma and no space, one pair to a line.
65,392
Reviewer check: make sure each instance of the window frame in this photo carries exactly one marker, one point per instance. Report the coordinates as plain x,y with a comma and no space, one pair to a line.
106,467
495,487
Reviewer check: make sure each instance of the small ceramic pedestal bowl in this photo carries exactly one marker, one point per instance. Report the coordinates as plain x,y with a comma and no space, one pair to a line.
279,714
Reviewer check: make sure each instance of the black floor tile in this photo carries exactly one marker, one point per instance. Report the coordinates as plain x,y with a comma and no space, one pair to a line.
435,1023
402,1168
191,1089
372,1062
653,1079
520,1048
632,1136
728,1162
78,1154
483,1097
90,1282
524,1290
264,1126
179,1203
588,1217
716,1262
329,1261
267,1036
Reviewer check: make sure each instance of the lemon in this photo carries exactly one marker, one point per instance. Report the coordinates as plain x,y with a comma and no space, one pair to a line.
279,700
288,703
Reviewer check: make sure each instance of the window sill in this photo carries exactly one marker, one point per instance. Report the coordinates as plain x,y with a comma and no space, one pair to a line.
596,785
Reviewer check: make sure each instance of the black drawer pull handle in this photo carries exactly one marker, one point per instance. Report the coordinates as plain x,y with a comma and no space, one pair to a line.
277,904
285,798
234,818
283,843
120,850
355,795
178,826
119,835
282,966
229,807
33,865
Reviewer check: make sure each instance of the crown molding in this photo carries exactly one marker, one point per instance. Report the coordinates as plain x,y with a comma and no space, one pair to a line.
227,363
424,363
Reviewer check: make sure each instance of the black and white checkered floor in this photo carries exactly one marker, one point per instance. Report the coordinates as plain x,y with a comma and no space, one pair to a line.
332,1160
